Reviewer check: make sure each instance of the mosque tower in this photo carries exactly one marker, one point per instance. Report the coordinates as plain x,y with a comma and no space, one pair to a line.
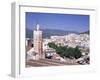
37,40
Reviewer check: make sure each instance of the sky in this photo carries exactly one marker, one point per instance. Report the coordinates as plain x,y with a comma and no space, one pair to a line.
68,22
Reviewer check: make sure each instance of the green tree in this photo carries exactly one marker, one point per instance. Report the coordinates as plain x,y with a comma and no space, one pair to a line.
61,51
77,52
69,52
65,51
52,45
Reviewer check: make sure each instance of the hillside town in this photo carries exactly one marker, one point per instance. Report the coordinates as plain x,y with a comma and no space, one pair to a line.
39,53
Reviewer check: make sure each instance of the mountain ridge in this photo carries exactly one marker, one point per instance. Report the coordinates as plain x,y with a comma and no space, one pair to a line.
49,32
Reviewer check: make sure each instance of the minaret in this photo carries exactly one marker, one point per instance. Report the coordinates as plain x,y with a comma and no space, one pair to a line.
38,47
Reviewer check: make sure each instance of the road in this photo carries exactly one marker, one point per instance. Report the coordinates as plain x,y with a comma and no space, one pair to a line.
48,62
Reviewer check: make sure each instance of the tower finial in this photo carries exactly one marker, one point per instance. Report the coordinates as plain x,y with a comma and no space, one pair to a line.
37,27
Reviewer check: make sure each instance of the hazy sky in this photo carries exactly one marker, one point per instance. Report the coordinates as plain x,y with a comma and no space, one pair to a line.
69,22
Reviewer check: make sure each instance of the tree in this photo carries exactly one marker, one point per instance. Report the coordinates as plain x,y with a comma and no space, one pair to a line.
65,51
61,51
52,45
69,52
77,52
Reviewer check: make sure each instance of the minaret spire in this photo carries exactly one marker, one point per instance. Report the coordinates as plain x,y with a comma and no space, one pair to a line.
37,27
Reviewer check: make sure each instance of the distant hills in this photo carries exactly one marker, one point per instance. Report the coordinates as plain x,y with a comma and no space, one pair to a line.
86,32
29,33
50,32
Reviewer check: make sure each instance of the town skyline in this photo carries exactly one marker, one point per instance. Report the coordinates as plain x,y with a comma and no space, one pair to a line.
66,22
